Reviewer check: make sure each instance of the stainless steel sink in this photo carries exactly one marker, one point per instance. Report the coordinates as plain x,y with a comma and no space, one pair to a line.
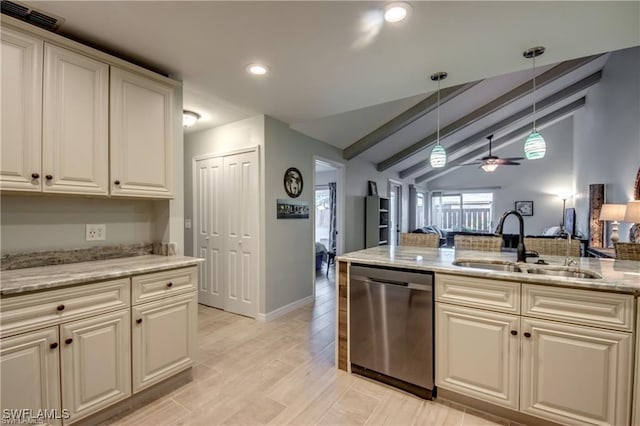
494,265
565,272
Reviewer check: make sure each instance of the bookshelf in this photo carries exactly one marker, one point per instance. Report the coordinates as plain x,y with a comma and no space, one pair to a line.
376,221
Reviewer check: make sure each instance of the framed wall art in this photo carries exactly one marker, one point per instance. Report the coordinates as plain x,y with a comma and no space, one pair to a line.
293,182
292,209
525,208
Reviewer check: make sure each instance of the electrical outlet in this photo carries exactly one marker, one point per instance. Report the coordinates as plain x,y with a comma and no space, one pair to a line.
96,232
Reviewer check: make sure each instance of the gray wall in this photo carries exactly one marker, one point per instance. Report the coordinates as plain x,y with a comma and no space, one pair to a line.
37,222
539,180
607,132
289,255
323,178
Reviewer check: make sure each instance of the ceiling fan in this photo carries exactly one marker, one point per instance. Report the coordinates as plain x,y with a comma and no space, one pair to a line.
491,162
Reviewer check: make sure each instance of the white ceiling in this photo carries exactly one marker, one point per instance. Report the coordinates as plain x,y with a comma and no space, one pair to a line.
337,73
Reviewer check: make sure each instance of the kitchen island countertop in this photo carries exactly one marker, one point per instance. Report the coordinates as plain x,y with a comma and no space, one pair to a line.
47,277
617,275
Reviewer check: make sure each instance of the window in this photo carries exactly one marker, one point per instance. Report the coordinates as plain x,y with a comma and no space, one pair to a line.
420,210
472,211
323,215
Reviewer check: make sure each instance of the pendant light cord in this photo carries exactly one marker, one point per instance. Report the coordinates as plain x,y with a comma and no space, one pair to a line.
534,92
438,120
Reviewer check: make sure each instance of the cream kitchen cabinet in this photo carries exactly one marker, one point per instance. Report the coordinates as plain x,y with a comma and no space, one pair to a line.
477,353
95,363
164,338
21,118
575,374
75,128
30,371
559,354
141,136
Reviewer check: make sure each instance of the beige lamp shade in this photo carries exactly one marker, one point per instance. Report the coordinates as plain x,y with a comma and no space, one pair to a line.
632,214
612,212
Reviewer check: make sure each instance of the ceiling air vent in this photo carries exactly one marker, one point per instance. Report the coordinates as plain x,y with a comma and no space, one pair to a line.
30,15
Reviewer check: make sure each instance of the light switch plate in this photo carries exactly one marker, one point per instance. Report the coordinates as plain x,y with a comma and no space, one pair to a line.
187,224
95,232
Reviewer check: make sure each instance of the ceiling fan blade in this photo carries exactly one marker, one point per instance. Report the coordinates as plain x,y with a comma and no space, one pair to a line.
513,158
475,163
503,162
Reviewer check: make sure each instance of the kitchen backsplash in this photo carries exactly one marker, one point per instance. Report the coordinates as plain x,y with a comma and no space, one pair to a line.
56,257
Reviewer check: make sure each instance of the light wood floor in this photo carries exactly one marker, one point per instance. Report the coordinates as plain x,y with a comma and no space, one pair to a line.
282,372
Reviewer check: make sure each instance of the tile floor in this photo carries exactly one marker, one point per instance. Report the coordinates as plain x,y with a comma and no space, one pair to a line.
282,372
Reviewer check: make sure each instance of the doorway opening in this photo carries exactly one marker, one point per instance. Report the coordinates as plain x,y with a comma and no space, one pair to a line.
395,212
328,217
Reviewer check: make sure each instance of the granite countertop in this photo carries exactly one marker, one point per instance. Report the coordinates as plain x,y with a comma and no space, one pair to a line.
47,277
617,275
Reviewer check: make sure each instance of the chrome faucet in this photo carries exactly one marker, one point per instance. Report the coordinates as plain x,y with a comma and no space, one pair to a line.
521,251
568,260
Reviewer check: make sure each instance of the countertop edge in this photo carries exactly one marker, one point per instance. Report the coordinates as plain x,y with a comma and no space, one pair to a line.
92,276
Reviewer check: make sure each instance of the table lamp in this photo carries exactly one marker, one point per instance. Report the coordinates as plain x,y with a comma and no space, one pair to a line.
613,212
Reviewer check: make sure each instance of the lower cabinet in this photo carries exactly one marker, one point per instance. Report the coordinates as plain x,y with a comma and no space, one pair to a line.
30,370
95,363
164,338
569,373
575,374
477,354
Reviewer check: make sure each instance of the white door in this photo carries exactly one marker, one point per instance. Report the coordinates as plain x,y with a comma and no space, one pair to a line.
574,374
208,204
75,127
30,370
161,347
96,362
141,115
226,232
21,117
477,353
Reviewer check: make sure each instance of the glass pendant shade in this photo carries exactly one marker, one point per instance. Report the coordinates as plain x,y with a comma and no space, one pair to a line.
489,167
535,147
438,157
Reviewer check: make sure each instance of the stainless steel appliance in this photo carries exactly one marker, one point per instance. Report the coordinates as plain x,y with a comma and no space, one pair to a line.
391,327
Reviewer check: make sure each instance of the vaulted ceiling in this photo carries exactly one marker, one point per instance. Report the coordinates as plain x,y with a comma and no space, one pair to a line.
338,73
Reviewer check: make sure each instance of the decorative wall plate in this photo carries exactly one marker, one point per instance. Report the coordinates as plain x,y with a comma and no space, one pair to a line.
293,182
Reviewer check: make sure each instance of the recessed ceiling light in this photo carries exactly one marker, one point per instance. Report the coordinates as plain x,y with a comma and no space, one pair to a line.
257,69
396,12
189,118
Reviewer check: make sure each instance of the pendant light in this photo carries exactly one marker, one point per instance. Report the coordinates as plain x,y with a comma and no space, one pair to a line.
535,146
438,157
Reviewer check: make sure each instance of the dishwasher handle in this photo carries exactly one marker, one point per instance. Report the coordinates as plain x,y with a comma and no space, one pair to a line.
413,286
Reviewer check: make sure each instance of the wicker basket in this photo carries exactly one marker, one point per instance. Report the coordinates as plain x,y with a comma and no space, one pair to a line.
627,251
552,246
466,242
420,240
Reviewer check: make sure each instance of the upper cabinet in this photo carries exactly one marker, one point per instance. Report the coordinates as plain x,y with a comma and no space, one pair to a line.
21,118
75,132
79,121
141,136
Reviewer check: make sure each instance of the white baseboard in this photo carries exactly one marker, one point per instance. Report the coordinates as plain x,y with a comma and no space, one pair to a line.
270,316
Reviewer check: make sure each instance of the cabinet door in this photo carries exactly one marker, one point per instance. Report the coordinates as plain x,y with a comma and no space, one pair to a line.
96,363
574,374
75,138
30,369
164,338
21,118
141,136
477,354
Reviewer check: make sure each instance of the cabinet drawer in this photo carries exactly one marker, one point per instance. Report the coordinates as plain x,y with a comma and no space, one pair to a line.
36,310
599,309
496,295
163,284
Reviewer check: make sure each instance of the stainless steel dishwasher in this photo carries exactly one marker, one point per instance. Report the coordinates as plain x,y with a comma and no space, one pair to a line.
391,327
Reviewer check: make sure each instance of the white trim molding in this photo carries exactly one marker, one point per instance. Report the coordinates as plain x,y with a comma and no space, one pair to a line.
270,316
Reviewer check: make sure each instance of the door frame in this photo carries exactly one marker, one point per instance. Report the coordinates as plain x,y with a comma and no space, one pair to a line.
393,182
340,211
194,206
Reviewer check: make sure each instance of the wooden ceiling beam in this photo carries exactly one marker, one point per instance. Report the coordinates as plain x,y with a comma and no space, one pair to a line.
404,119
522,90
559,96
519,133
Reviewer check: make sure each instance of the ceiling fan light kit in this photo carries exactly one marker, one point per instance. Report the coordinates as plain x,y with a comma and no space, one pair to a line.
438,157
535,146
491,162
